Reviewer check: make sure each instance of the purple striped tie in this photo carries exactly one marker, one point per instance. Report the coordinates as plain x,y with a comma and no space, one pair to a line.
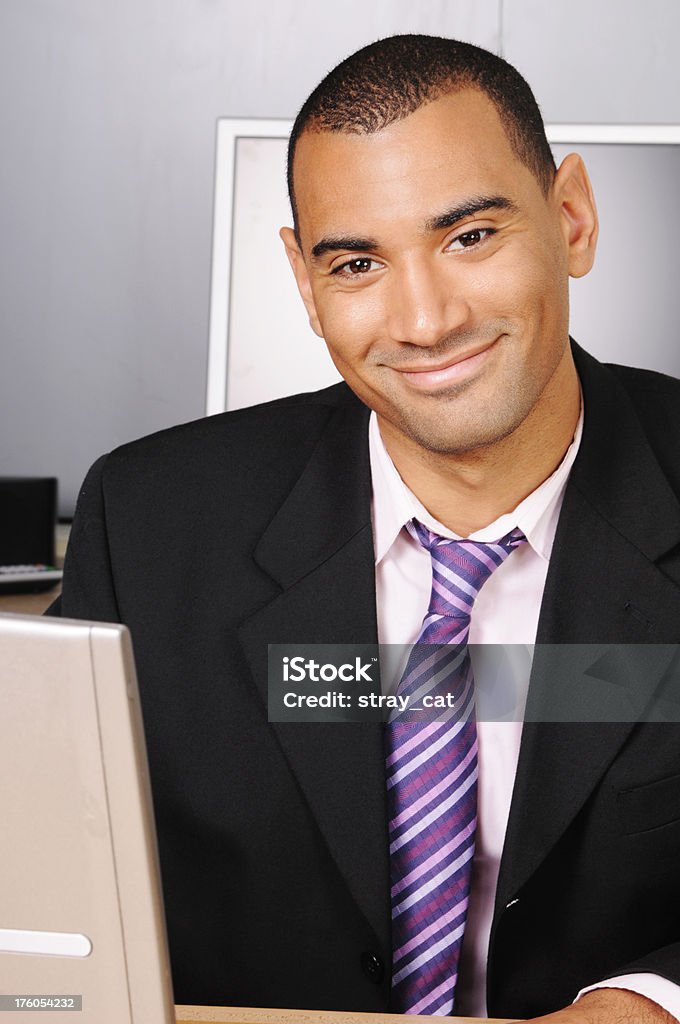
432,780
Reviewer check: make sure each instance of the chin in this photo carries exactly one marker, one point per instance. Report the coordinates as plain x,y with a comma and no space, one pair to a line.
460,437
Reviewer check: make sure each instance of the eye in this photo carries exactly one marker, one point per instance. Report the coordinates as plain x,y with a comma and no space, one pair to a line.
356,267
470,239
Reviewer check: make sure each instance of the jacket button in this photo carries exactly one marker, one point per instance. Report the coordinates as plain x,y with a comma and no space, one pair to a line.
373,967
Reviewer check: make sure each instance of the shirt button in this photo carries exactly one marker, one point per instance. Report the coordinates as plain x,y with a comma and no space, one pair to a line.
373,967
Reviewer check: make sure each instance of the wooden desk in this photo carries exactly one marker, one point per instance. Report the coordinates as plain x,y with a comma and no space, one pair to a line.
29,604
251,1015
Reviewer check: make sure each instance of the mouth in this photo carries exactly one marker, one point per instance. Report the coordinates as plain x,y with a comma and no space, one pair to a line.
456,368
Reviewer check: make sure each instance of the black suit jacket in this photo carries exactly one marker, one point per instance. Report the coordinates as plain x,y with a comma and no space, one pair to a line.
213,539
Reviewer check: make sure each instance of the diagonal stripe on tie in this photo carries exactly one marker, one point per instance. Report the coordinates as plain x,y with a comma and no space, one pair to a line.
431,777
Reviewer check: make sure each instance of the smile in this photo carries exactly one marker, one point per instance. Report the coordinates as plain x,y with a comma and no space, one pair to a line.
456,369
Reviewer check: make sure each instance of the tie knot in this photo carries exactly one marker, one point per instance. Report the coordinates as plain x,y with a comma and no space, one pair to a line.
460,568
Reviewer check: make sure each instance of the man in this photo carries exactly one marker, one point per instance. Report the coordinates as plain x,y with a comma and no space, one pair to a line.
432,244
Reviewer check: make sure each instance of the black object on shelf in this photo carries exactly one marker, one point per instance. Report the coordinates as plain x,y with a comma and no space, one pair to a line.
28,518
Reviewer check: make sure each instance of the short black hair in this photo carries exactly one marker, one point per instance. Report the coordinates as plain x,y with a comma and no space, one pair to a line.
391,78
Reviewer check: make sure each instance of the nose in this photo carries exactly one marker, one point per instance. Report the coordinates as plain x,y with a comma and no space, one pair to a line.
424,305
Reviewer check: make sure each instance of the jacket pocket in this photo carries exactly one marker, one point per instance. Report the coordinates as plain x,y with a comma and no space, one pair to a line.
649,806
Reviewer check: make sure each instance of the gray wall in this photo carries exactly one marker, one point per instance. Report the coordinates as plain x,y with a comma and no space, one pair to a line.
107,114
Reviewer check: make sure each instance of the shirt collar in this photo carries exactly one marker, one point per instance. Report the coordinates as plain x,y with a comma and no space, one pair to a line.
394,504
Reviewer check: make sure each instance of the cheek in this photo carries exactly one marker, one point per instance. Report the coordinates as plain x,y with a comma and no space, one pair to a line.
506,285
529,286
351,322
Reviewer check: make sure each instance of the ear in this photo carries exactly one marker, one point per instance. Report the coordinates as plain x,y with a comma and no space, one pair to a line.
297,262
573,194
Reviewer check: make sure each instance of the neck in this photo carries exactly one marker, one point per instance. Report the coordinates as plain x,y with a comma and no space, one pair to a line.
467,491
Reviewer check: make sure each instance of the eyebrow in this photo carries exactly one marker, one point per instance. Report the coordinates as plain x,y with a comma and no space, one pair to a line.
336,243
468,208
478,204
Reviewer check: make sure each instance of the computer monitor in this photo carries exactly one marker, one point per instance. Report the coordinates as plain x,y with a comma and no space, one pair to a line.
81,914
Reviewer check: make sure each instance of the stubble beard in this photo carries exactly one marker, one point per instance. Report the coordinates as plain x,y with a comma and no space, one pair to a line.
447,432
456,422
453,421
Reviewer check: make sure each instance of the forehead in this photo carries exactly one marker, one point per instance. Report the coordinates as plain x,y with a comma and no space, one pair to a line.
449,149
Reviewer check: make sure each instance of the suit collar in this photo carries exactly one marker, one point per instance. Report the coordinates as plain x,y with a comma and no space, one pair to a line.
618,518
616,470
329,504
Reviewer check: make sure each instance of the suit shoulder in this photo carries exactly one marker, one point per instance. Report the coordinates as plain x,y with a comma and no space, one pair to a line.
636,379
259,449
656,396
275,425
229,469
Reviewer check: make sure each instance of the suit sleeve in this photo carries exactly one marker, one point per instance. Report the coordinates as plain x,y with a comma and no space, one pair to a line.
88,590
664,962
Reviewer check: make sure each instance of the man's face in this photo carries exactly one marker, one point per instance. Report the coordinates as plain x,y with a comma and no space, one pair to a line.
437,272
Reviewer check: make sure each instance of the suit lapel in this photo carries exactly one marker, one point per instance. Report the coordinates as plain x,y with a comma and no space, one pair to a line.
619,515
319,548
